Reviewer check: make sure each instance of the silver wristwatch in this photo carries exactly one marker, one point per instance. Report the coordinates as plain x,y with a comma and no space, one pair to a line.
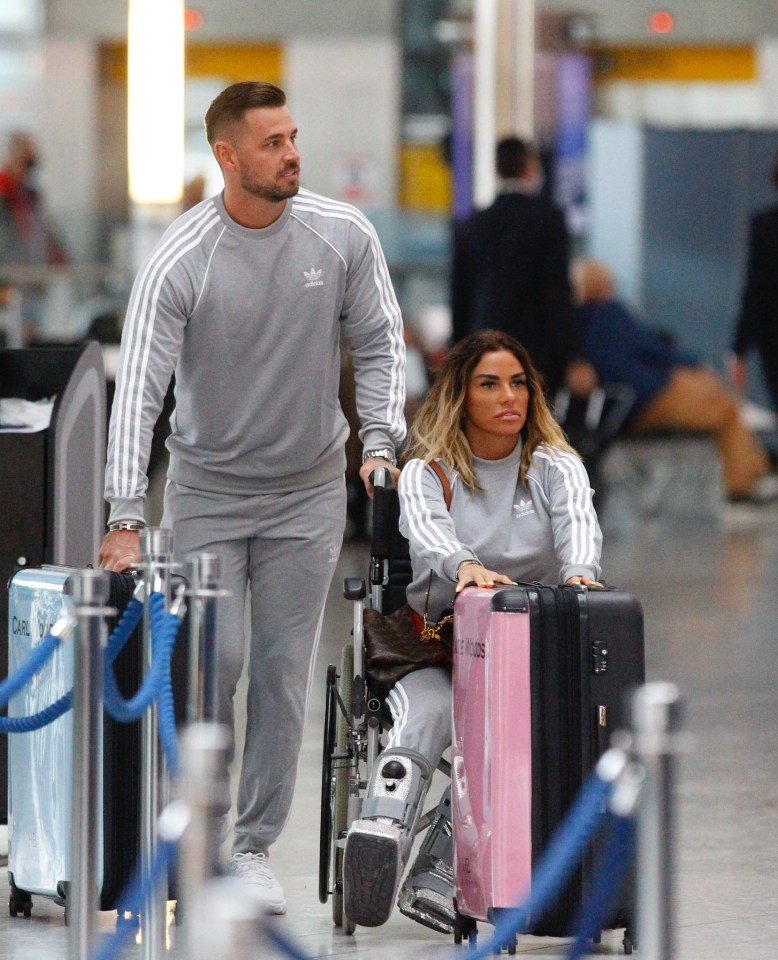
126,525
384,453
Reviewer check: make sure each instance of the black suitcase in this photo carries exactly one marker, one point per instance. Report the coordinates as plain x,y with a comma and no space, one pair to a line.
39,854
587,654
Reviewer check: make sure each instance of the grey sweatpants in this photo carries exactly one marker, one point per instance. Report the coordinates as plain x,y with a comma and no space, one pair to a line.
285,548
421,706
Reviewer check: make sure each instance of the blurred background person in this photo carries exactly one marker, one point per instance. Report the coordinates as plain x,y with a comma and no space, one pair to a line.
26,237
510,268
757,326
673,391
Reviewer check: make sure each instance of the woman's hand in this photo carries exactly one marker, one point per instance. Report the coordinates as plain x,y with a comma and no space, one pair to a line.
584,581
477,574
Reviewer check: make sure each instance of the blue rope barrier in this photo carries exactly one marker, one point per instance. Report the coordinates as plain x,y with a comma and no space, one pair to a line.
38,659
134,898
129,620
38,720
166,635
612,871
284,943
35,662
557,864
158,684
129,710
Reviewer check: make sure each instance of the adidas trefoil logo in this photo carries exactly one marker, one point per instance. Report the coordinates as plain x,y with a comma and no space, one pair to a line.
522,509
313,278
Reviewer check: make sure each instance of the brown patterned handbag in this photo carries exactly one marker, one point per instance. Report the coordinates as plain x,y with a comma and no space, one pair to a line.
396,644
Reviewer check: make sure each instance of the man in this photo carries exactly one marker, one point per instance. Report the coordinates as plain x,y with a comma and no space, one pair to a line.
672,389
757,325
245,298
510,267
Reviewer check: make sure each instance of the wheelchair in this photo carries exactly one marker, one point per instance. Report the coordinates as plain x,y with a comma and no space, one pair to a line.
354,719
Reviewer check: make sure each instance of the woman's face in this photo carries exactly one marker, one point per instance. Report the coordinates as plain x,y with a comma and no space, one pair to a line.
496,405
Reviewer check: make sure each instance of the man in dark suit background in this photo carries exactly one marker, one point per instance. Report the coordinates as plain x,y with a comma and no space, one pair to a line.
510,268
758,322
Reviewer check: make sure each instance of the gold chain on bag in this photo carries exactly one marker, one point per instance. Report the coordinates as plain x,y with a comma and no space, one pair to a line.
431,631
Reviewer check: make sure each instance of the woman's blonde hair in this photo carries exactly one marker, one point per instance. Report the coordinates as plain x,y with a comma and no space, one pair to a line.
438,430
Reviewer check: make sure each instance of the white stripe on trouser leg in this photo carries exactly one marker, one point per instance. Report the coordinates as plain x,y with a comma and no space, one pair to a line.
399,708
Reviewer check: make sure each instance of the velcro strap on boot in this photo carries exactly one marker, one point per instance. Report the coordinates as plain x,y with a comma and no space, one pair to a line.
440,846
391,807
429,881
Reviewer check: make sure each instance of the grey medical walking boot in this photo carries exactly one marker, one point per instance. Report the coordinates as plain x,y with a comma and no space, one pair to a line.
378,844
427,896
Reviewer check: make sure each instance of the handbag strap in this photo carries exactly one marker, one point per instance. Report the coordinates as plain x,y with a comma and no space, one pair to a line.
432,632
444,481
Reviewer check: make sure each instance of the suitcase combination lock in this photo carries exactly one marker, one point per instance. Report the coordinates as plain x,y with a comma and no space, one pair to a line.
600,654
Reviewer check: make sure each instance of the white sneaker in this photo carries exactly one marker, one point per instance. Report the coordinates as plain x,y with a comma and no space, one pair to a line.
254,870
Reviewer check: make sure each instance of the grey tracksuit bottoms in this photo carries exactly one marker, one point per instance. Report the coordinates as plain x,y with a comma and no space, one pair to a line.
284,547
421,705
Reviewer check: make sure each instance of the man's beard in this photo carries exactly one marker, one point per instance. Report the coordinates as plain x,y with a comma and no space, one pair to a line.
273,192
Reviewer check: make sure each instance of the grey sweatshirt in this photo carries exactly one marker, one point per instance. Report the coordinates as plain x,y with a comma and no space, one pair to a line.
250,322
545,529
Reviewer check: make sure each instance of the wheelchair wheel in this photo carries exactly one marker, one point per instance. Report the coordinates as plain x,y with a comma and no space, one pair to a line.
342,785
328,747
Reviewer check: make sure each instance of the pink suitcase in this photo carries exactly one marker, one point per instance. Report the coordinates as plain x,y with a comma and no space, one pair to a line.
491,754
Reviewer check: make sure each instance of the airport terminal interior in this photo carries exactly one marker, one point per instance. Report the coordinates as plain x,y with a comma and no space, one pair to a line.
657,123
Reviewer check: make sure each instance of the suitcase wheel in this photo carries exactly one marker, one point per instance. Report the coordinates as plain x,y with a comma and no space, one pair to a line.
20,902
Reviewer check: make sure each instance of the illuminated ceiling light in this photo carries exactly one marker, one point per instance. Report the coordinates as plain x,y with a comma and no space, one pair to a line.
156,100
193,19
661,21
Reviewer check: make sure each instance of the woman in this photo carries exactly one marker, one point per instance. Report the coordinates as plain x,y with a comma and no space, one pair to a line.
520,509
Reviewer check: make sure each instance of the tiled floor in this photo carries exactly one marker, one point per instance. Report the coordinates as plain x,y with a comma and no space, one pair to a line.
709,592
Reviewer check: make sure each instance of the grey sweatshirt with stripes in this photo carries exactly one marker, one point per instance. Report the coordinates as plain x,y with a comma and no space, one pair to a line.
250,321
545,529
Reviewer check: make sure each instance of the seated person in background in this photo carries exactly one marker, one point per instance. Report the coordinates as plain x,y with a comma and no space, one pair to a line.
521,509
673,390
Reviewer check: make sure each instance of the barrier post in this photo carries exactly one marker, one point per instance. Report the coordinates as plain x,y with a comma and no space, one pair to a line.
90,593
205,791
204,576
656,719
157,549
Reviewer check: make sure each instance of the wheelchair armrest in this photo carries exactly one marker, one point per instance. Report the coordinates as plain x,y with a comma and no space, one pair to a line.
354,588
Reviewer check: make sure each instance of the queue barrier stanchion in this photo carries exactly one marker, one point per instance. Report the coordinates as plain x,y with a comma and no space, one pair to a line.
656,721
205,790
157,549
203,591
90,594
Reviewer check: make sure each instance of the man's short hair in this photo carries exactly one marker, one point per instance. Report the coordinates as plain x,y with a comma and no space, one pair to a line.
229,107
513,154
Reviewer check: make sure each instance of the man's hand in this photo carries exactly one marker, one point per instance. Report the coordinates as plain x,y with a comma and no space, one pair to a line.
120,550
373,464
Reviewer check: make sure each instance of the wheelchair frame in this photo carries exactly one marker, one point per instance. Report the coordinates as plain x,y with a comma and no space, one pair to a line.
353,719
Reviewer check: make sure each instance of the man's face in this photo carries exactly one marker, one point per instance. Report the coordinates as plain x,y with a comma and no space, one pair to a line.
267,160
